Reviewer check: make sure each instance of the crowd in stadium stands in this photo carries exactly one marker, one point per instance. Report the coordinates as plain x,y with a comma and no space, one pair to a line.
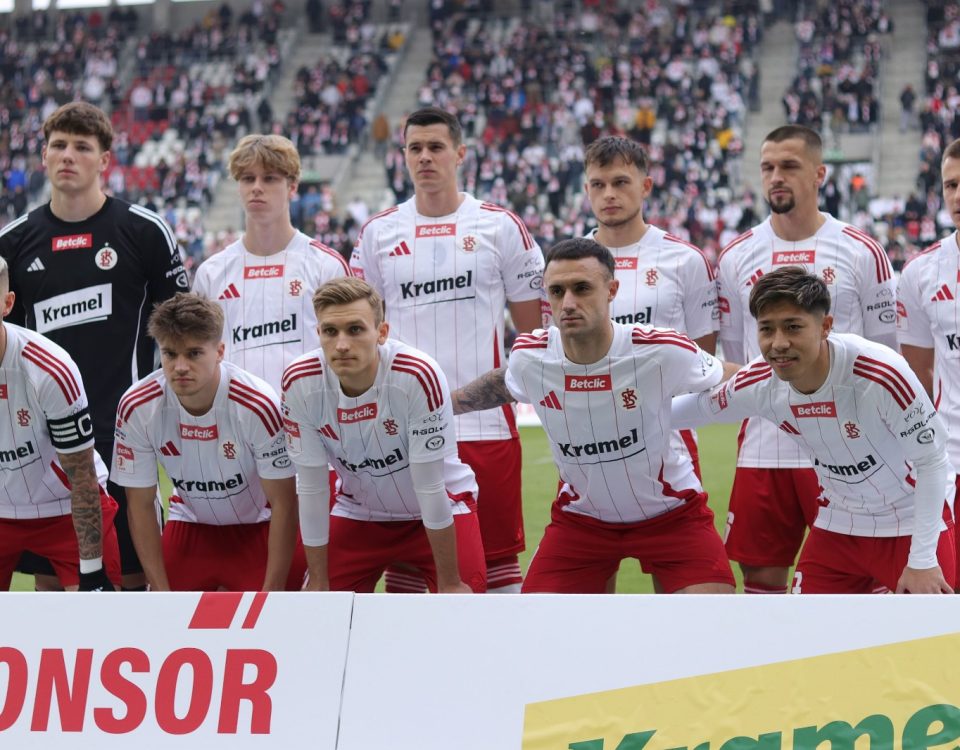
531,94
836,83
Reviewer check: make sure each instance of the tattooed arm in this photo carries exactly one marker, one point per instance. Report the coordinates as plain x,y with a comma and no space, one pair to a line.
489,391
84,501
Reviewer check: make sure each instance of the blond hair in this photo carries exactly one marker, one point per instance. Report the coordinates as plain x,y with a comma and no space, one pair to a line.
273,153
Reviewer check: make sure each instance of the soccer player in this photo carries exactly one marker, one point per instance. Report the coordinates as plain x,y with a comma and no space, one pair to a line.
217,432
52,501
87,269
928,313
265,280
446,264
602,391
774,494
878,446
379,411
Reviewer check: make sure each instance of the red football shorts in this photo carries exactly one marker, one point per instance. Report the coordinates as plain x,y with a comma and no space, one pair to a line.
770,511
579,554
359,552
496,464
56,539
204,557
833,563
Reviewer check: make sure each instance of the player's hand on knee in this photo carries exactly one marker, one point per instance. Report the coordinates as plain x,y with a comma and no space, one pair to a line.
455,588
927,581
95,581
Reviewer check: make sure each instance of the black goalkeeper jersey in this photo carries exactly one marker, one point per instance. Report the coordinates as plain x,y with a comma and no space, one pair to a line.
90,287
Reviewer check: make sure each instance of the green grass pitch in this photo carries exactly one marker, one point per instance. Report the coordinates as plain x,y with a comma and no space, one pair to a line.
717,461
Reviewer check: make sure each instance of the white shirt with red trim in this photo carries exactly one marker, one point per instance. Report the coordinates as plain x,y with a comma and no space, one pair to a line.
928,316
609,422
267,301
404,417
43,411
861,429
215,461
862,287
446,282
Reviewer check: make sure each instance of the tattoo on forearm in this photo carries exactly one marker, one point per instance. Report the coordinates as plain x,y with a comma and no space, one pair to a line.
486,392
85,501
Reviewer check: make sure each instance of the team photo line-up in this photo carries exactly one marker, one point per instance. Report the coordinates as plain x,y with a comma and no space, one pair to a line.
327,424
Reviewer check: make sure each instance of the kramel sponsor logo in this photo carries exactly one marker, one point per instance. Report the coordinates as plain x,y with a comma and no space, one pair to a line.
436,230
357,414
263,272
72,242
793,257
196,432
819,410
73,308
588,383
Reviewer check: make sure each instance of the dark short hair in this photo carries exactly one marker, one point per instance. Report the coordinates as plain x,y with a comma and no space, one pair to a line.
435,116
809,136
609,148
790,284
579,248
952,151
186,315
80,118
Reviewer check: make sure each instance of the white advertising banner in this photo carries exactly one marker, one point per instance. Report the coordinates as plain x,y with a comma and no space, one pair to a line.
220,670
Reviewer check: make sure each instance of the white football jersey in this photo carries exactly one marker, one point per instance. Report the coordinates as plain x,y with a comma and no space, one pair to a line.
862,288
215,461
46,413
446,281
404,417
861,428
609,422
267,301
668,283
928,316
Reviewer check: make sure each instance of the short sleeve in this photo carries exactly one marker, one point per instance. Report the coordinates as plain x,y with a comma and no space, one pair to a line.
913,324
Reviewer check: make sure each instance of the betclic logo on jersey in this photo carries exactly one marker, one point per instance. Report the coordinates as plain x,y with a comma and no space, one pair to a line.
72,242
436,230
196,432
819,410
625,264
357,414
263,272
588,383
793,257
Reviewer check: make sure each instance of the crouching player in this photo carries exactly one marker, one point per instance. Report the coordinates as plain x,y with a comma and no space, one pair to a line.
379,412
877,443
216,429
52,500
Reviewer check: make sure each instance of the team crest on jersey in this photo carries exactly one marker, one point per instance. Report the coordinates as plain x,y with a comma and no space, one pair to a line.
23,418
468,243
229,450
653,276
106,258
628,398
390,426
829,275
296,286
853,432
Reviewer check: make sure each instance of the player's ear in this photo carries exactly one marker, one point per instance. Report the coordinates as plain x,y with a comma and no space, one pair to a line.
105,160
614,288
8,300
383,331
294,188
821,175
827,325
43,155
221,347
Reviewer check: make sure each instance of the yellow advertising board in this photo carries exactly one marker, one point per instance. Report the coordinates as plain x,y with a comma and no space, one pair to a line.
904,695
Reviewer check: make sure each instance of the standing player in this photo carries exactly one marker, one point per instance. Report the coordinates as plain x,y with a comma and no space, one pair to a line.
602,391
877,443
51,498
218,434
380,412
87,269
928,320
446,265
265,280
774,495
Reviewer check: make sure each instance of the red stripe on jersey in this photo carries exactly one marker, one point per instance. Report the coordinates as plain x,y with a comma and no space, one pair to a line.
54,367
787,427
132,399
373,218
131,405
333,254
423,373
529,341
524,233
663,337
935,246
756,374
297,370
880,259
888,377
710,272
736,241
259,404
61,474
